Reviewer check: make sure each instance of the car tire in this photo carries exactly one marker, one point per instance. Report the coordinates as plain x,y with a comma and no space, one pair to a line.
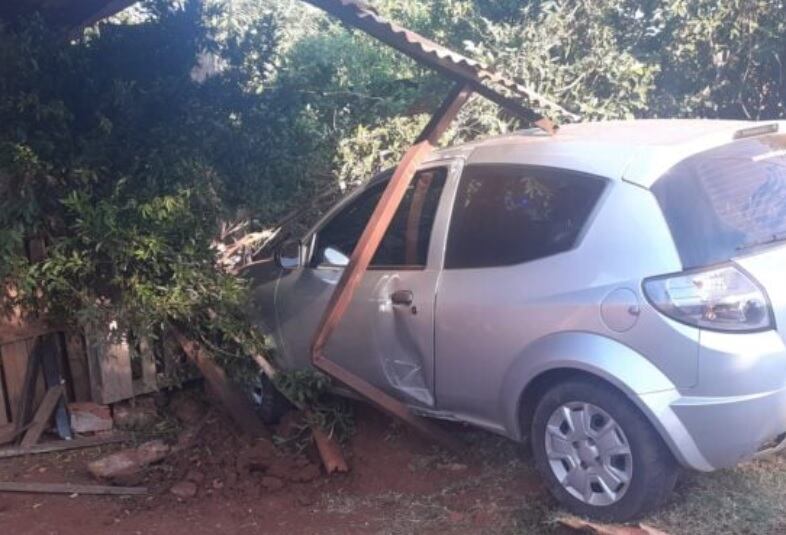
271,405
567,465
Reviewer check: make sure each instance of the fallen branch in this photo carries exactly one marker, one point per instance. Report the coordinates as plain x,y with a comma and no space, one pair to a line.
586,526
69,488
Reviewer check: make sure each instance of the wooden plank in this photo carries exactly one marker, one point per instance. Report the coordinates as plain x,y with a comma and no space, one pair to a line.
39,383
149,380
9,432
51,349
15,359
69,488
63,445
237,405
109,362
30,395
43,415
5,414
77,366
364,251
19,330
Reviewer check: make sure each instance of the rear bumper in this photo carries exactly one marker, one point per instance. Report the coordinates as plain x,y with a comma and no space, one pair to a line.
738,407
727,431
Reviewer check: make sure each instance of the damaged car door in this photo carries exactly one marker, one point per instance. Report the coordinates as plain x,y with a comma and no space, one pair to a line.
387,335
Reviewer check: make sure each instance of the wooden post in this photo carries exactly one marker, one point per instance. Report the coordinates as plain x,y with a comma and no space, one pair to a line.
237,405
77,365
109,362
364,252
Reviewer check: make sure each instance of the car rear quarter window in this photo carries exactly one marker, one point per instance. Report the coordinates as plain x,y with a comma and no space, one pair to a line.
509,214
724,201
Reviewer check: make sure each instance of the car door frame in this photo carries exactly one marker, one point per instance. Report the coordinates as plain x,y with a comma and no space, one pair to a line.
434,260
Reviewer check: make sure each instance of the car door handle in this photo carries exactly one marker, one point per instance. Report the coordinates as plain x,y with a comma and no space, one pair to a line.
402,297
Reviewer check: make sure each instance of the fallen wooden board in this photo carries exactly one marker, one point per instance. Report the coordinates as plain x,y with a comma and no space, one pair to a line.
8,433
585,526
63,445
238,406
43,415
69,488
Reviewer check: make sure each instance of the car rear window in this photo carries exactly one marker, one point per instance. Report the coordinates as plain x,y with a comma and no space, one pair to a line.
726,200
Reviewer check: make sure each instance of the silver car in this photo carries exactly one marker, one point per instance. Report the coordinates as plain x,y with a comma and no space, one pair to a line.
615,295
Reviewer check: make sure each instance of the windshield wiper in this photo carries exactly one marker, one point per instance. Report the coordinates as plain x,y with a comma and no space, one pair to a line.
772,239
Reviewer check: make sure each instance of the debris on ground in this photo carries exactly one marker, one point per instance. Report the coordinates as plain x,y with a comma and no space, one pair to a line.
89,417
64,445
187,408
184,489
68,488
330,452
127,466
585,526
137,414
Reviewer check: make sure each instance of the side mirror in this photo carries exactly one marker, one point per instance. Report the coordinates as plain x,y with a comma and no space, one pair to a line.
289,254
334,257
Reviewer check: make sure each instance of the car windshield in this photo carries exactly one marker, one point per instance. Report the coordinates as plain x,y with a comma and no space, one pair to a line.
726,200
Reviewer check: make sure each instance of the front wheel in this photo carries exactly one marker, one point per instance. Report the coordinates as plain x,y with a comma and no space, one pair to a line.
271,405
598,454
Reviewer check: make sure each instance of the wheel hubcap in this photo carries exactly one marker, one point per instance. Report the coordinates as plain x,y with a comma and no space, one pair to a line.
589,453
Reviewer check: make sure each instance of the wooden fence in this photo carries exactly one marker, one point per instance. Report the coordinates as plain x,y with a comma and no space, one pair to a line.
93,366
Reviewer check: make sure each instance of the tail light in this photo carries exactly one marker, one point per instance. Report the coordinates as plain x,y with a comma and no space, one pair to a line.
720,299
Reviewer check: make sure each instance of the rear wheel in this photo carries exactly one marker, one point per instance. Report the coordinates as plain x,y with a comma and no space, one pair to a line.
598,454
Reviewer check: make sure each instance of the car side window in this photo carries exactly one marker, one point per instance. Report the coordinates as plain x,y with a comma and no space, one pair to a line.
406,241
509,214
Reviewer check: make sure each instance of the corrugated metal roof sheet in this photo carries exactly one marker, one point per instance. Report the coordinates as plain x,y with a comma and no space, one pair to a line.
360,15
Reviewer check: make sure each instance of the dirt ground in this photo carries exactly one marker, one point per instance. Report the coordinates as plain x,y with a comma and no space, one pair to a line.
398,484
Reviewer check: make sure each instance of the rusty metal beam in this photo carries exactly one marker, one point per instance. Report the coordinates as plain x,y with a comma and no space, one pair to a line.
364,252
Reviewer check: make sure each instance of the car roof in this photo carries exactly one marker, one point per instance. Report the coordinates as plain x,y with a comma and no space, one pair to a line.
638,151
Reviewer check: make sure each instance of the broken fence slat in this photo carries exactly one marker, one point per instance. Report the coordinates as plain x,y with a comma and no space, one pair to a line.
9,433
69,488
43,415
62,445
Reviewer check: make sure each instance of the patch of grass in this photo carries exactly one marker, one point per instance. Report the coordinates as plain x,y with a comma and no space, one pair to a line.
748,500
751,499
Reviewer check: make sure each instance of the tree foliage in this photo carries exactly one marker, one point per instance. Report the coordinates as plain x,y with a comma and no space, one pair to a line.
129,149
